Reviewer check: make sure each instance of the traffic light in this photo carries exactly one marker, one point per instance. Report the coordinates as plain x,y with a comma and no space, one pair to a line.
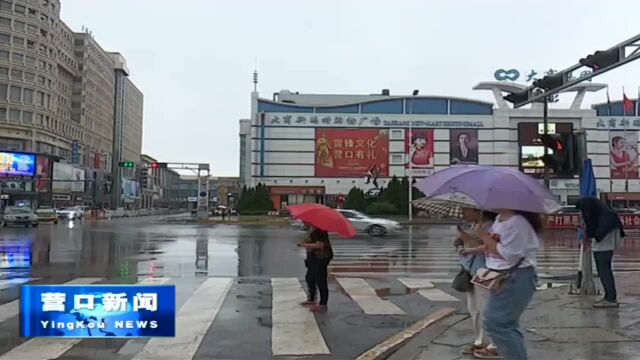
601,59
157,165
550,82
144,178
564,157
127,164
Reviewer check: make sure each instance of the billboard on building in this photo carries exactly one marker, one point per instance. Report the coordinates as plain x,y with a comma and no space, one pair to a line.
463,147
351,152
530,146
67,178
418,148
17,164
130,190
43,173
623,154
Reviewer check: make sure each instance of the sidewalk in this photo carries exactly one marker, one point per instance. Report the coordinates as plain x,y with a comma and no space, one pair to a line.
557,326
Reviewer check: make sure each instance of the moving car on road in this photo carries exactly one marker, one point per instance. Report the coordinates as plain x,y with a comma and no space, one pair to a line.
17,215
47,215
71,213
369,225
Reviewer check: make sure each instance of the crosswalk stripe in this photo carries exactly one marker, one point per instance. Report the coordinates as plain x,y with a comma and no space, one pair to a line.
192,322
437,295
365,296
416,283
44,348
6,284
294,330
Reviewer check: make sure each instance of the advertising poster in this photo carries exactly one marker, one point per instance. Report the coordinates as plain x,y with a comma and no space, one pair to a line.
463,147
43,174
17,164
623,154
419,148
78,176
351,152
63,178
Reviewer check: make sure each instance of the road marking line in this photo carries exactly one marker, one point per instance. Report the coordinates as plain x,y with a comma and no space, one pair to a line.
192,322
294,330
416,283
437,295
388,345
43,348
365,296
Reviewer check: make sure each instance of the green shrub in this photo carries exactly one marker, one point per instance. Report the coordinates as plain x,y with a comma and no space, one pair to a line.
382,208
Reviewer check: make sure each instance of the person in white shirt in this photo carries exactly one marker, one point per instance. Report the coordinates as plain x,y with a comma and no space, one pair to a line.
512,246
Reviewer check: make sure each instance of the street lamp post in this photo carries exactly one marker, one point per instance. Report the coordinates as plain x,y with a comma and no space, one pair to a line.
410,177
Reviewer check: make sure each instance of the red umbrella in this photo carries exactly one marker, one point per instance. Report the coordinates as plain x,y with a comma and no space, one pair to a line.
323,218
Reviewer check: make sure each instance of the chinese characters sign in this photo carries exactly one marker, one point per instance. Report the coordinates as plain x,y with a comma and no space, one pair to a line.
623,154
97,311
351,152
531,75
618,123
359,120
572,221
419,148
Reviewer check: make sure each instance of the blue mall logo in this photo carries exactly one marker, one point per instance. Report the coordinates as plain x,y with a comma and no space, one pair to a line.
502,74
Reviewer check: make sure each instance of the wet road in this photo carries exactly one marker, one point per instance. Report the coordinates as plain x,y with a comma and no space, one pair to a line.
381,285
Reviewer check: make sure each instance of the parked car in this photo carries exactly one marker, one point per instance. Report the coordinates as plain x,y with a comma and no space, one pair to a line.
369,225
71,213
47,215
18,215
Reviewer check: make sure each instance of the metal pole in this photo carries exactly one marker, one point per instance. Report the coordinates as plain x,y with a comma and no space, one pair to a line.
545,122
410,162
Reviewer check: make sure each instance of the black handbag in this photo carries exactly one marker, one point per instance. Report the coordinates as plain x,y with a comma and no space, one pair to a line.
462,281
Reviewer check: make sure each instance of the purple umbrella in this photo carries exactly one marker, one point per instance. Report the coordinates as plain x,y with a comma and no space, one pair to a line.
492,188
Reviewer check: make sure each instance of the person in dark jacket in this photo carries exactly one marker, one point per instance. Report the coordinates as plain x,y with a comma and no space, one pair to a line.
605,229
319,255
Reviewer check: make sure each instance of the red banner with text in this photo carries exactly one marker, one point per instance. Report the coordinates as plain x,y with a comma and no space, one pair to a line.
351,152
572,221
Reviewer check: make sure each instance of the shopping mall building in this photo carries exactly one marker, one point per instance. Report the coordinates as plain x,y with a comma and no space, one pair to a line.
314,147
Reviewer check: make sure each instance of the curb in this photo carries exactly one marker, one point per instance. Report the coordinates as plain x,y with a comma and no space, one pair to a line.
386,347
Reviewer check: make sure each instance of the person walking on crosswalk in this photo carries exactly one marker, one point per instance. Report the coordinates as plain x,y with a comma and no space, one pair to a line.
472,259
319,255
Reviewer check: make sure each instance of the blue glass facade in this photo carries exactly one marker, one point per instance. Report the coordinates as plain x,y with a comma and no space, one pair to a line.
615,109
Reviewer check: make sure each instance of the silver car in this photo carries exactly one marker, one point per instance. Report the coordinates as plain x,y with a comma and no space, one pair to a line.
16,215
369,225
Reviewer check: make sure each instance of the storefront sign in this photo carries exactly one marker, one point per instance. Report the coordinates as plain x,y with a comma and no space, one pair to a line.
351,152
531,75
362,121
618,123
296,190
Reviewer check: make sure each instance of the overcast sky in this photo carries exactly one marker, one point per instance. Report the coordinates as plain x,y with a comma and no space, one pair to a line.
194,59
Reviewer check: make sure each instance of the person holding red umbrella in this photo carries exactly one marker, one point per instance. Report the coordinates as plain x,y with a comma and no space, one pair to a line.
319,255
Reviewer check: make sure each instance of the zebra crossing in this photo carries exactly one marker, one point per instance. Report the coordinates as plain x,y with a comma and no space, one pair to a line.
294,330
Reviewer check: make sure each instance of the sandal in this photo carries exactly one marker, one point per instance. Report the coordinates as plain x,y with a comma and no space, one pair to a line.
487,353
471,348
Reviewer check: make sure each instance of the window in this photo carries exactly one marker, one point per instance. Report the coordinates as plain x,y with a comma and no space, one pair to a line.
16,74
33,13
40,99
6,5
44,33
17,58
396,134
31,44
14,115
3,114
397,159
42,65
27,117
48,101
18,41
28,96
19,25
3,92
4,72
32,29
4,55
31,60
5,21
39,119
20,9
15,94
29,77
5,39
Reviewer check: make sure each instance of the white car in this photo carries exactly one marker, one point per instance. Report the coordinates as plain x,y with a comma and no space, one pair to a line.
16,215
71,213
369,225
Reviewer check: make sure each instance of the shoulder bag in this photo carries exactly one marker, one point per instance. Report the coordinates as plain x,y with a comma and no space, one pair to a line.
462,281
490,279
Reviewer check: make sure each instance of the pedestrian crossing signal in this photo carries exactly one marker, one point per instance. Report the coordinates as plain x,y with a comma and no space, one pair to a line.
563,159
157,165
